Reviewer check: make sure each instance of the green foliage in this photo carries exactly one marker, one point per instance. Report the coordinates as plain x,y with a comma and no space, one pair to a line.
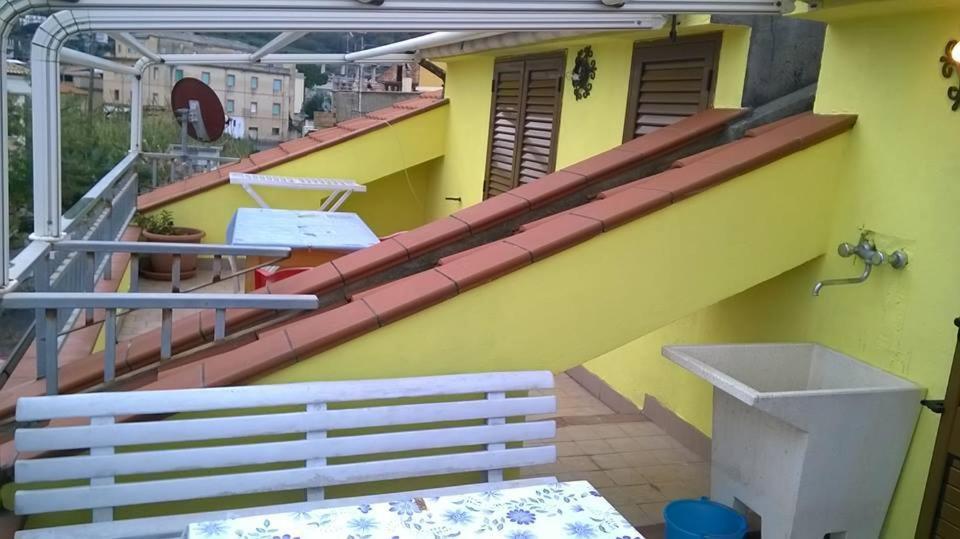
92,143
314,104
312,75
156,223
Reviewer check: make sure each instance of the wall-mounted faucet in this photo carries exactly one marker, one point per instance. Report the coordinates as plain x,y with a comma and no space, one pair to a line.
871,256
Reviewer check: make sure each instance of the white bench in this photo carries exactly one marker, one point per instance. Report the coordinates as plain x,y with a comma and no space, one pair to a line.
478,406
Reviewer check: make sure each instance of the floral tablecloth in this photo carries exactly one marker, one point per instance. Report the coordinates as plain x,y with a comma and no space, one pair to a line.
562,510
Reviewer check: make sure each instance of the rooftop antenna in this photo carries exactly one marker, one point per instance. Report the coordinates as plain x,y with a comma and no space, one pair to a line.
199,113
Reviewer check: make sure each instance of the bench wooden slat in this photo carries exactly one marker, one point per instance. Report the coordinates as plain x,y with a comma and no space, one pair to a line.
123,494
209,399
173,460
186,430
169,527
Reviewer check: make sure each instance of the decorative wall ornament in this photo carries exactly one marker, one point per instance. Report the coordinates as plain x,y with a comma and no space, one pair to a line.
584,71
949,66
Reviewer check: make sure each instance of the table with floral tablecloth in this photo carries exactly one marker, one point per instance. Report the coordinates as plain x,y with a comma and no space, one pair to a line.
556,511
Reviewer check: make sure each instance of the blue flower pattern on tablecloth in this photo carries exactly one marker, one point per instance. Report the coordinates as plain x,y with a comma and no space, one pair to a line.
566,510
521,516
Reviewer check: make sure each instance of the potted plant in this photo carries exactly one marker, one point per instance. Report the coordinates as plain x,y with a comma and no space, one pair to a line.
159,227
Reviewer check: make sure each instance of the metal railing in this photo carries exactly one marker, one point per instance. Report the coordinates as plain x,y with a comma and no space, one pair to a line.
49,304
63,275
166,168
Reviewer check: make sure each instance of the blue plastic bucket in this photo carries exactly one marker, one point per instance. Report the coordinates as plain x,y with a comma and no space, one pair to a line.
703,519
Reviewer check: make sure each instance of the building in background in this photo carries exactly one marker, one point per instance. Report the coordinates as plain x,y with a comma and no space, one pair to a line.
262,98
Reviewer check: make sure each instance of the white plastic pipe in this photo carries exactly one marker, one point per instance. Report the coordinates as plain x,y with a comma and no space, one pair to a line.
276,44
281,58
74,57
430,40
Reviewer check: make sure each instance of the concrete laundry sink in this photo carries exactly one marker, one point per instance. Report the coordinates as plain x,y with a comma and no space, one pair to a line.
810,439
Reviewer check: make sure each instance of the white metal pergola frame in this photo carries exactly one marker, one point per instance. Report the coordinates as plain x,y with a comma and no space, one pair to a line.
292,18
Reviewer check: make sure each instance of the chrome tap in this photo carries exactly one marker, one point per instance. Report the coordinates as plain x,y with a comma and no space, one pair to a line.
871,256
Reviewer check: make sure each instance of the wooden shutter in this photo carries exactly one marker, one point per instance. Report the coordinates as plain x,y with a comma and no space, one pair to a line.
525,119
504,127
668,82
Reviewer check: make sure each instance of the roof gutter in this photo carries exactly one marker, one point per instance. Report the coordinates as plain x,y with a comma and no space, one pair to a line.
515,39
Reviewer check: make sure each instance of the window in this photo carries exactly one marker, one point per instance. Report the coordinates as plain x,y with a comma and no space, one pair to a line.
231,81
524,120
275,131
156,99
156,72
254,83
276,109
178,74
116,95
254,133
205,77
277,86
670,81
253,107
230,106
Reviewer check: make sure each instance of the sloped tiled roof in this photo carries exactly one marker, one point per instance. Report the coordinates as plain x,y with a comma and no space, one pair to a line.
356,313
291,149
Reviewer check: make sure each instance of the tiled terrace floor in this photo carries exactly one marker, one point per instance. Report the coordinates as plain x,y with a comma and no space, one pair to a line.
141,321
632,462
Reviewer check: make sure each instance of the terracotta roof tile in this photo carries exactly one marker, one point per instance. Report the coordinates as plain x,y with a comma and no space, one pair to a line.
604,164
366,261
549,188
484,264
624,206
243,165
189,376
492,211
408,295
267,353
388,114
533,224
432,234
766,128
670,137
327,329
361,124
556,235
416,103
299,145
267,157
315,280
330,134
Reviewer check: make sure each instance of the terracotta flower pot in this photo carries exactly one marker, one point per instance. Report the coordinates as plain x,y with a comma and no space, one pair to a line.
161,265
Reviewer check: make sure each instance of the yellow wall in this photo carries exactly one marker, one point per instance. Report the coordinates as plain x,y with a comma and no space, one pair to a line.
394,200
606,292
587,127
899,179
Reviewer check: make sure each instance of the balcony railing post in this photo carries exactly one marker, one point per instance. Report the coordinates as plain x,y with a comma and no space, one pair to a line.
177,263
166,334
89,278
134,272
110,345
217,268
48,353
220,325
41,283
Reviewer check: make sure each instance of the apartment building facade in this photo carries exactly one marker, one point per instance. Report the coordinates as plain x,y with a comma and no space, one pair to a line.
258,100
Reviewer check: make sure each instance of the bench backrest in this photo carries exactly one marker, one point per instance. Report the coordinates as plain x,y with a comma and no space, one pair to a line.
480,400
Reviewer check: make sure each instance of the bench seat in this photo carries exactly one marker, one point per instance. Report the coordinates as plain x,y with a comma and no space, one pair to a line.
402,428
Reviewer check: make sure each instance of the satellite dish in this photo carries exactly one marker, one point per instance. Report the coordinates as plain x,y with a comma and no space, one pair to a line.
197,107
